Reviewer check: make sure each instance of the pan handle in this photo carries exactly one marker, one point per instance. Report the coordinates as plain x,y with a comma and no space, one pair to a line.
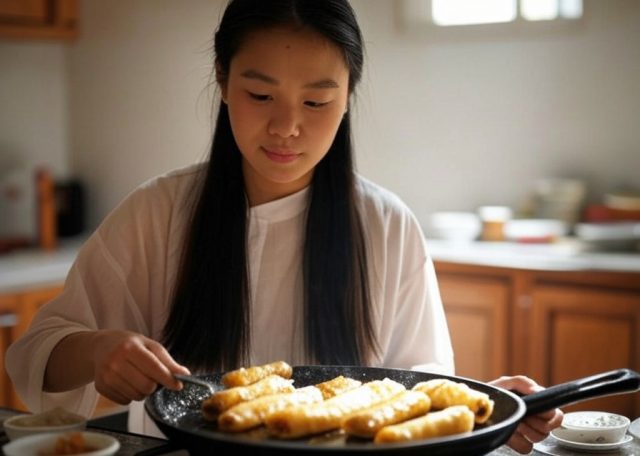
607,383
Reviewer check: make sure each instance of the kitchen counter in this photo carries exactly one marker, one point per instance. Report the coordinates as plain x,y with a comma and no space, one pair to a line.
564,255
28,268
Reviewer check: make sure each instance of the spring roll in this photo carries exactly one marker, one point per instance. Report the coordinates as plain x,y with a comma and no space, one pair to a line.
225,399
401,407
337,386
250,414
453,420
446,393
294,422
247,376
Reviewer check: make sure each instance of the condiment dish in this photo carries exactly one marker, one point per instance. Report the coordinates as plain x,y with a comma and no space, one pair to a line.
44,444
593,427
55,420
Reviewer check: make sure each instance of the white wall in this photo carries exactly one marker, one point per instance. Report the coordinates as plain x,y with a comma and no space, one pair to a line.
458,121
139,100
33,106
446,122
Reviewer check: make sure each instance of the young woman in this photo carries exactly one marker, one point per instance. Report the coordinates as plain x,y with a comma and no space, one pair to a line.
273,249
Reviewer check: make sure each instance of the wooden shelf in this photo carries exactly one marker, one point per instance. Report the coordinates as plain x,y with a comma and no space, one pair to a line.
39,19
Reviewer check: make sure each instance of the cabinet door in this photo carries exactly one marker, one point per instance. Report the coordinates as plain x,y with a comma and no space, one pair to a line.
476,309
580,331
8,320
23,11
38,19
28,305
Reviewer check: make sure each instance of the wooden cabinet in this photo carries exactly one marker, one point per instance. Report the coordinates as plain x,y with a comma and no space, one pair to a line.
477,313
38,19
551,326
16,313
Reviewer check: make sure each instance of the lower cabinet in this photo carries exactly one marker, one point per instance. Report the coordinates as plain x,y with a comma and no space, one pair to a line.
551,326
16,312
477,312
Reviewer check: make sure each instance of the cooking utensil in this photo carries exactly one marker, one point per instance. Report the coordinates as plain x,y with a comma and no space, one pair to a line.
196,381
178,415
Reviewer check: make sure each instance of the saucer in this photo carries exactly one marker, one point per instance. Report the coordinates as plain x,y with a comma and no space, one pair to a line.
634,428
591,447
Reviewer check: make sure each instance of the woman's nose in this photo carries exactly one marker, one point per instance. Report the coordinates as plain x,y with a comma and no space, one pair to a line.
284,122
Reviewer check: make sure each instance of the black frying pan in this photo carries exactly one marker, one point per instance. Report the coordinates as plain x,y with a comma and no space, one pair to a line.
177,414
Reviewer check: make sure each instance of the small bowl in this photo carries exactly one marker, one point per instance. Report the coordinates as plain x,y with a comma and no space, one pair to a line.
454,226
535,230
56,420
593,427
44,444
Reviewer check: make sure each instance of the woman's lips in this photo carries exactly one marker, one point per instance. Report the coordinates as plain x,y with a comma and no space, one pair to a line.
281,155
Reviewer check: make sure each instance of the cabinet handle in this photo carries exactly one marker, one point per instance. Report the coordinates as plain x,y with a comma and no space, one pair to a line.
8,320
525,301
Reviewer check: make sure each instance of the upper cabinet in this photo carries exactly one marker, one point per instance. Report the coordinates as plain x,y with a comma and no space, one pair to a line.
38,19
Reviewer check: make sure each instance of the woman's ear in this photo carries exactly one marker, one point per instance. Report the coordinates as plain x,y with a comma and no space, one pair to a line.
221,79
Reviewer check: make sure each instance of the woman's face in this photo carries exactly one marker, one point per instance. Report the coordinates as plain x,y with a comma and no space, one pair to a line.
287,91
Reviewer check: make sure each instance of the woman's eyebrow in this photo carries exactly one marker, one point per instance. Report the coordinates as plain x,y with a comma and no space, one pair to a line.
327,83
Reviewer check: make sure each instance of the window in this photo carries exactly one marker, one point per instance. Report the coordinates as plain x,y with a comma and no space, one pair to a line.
466,12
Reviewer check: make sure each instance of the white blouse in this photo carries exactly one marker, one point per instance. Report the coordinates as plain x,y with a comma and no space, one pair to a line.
124,273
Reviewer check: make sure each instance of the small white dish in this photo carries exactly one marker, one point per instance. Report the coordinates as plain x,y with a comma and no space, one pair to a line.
634,428
590,446
43,444
593,427
535,230
56,420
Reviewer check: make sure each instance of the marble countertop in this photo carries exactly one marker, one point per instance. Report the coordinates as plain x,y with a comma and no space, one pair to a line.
564,255
30,268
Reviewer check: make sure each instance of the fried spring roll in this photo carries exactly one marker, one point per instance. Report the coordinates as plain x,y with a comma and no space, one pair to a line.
452,420
247,376
446,393
225,399
294,422
401,407
247,415
337,386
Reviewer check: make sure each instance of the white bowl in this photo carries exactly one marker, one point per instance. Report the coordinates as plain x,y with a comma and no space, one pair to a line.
535,230
454,226
42,444
56,420
593,427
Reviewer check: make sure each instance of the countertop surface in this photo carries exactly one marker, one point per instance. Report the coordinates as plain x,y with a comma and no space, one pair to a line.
564,255
30,268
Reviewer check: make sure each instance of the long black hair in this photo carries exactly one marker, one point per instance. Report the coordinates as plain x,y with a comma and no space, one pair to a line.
209,323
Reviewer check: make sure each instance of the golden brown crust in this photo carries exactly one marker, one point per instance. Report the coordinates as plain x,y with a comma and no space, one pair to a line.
247,376
337,386
452,420
250,414
225,399
299,421
446,393
401,407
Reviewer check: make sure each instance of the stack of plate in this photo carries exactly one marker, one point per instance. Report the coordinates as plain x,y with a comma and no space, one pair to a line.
610,236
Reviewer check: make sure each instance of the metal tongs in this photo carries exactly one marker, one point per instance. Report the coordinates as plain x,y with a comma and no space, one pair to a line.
195,381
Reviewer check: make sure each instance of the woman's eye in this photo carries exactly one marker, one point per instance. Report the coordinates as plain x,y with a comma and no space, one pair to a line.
259,97
316,104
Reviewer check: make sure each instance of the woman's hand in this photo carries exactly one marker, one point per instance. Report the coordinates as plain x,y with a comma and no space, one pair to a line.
128,366
533,428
